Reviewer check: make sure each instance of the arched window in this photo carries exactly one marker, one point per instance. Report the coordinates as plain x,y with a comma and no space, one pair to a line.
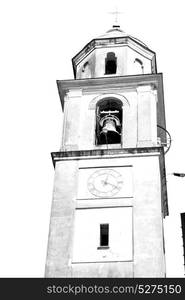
110,63
139,69
85,66
108,121
86,70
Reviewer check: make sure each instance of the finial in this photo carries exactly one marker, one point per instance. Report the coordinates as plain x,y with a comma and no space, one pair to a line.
116,13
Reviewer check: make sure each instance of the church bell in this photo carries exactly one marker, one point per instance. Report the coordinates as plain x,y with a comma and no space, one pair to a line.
109,133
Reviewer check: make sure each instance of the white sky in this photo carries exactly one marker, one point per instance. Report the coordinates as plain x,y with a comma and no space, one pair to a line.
38,39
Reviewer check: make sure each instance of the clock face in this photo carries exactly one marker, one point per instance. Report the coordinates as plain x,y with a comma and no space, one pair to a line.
105,182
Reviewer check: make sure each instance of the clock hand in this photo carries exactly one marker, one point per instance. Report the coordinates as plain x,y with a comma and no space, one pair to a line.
107,176
104,182
112,184
108,183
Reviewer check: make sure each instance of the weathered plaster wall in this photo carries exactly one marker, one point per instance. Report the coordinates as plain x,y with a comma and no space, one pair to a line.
147,234
62,220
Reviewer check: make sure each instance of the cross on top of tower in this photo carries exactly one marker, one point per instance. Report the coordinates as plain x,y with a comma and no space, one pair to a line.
115,13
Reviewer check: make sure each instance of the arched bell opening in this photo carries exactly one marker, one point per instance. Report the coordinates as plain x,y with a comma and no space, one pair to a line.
108,121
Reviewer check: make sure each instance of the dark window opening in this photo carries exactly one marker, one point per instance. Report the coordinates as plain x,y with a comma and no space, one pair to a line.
108,122
104,235
110,63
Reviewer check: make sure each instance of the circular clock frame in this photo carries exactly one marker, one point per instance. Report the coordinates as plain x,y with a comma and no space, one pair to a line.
105,182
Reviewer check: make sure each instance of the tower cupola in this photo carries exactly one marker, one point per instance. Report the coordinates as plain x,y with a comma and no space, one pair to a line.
114,53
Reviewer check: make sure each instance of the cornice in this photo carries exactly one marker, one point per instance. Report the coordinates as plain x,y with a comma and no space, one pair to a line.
131,81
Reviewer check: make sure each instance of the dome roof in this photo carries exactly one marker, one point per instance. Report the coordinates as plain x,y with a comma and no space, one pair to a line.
117,32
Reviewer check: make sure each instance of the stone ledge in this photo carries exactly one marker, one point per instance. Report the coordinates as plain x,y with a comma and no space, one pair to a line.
57,156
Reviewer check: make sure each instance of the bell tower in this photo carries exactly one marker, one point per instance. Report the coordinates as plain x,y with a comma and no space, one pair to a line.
109,196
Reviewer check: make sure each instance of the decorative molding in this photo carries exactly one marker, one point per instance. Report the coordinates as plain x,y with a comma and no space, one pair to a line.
123,99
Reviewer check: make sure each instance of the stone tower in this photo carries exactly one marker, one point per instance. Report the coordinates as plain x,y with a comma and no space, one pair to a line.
109,197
